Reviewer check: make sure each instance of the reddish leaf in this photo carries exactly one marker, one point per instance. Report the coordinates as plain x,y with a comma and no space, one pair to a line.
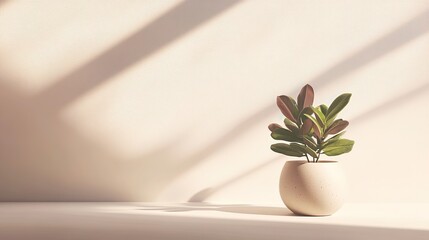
306,126
273,126
306,110
284,104
305,97
337,126
291,104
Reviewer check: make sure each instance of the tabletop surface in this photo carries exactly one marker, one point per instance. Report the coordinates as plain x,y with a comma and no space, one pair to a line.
208,221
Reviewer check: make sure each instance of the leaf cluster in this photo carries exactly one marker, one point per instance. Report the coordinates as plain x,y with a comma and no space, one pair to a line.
308,130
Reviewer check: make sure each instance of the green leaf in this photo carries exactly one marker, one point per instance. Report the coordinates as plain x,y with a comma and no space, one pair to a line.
336,127
338,104
291,125
288,107
319,128
338,147
284,134
285,149
319,114
333,139
329,121
310,142
305,97
287,122
324,109
305,149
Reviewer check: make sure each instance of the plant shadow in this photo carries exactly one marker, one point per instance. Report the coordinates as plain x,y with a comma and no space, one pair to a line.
228,208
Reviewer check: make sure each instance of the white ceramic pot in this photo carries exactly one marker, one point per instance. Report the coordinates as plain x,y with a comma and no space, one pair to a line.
315,189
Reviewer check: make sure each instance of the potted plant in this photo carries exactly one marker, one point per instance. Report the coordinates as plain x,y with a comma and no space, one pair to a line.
313,186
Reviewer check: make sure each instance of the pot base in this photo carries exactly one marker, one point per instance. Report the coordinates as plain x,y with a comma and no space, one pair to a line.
312,189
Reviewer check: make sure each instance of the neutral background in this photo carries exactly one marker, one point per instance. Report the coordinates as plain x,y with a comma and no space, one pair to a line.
170,100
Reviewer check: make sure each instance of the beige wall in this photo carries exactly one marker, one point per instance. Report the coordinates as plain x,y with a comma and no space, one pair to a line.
170,100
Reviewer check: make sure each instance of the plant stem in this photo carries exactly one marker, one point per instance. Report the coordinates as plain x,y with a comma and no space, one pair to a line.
308,160
319,143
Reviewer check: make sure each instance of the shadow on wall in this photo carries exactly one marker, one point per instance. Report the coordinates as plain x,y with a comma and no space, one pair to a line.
162,31
391,41
392,104
206,193
44,159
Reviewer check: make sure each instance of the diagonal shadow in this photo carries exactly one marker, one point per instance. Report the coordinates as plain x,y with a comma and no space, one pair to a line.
46,159
178,22
203,194
391,41
393,103
38,151
86,78
405,33
162,31
172,25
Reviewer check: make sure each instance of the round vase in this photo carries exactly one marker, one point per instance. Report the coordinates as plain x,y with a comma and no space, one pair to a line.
312,189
